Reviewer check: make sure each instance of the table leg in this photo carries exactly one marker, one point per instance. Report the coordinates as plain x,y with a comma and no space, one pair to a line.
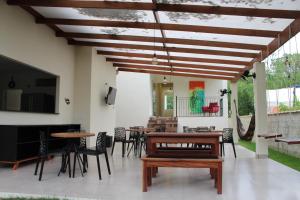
145,177
149,178
219,180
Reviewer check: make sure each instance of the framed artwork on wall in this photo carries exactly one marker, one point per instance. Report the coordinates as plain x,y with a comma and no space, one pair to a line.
196,96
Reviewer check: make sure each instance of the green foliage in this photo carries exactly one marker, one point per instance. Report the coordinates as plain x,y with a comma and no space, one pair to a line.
285,159
284,72
283,107
245,97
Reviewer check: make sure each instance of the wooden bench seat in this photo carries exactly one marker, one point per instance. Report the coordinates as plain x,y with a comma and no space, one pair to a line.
151,164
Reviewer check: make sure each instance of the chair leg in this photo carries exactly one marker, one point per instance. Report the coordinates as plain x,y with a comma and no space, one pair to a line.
74,165
113,147
98,164
37,166
132,146
141,149
107,163
69,164
42,168
233,149
123,149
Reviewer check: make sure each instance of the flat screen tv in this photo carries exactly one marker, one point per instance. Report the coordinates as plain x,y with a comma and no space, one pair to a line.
24,88
111,96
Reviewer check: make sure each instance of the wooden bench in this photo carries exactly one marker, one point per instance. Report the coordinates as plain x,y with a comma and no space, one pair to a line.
151,164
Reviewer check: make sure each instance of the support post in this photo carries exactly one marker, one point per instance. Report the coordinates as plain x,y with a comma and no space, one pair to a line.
234,96
260,104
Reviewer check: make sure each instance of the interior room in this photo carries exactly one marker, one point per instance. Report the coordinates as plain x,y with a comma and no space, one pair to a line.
149,99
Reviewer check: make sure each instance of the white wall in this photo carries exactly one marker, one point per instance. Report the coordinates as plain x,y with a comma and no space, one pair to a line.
93,76
103,75
23,40
134,100
212,89
82,85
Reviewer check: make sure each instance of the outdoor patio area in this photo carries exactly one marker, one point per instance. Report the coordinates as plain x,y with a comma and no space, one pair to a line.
244,178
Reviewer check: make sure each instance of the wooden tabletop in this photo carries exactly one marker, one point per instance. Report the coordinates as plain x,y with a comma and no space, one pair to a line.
196,134
72,135
270,135
289,140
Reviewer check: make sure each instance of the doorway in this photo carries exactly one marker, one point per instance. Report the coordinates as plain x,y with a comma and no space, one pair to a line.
163,99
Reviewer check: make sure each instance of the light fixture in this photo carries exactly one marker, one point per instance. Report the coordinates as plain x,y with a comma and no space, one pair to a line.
247,74
165,81
154,59
225,91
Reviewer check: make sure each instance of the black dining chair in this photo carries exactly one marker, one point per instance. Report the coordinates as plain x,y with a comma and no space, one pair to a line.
99,149
186,130
120,136
134,135
45,153
227,137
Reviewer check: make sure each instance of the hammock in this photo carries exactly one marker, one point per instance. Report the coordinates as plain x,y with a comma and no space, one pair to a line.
240,128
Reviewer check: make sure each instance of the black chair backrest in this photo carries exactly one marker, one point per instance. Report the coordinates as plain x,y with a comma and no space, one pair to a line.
82,142
228,135
120,134
101,142
202,129
185,129
43,144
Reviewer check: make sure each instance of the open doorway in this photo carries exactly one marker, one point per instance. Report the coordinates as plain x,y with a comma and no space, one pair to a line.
163,99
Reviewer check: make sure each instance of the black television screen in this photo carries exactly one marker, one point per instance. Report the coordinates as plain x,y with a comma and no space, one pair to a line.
26,89
111,96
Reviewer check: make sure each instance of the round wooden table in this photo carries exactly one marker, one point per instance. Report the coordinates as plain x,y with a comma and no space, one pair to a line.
72,146
72,135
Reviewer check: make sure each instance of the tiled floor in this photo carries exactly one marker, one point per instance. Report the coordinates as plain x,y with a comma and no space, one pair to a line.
243,178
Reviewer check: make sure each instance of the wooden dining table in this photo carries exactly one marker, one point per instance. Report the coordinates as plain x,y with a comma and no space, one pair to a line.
208,138
72,145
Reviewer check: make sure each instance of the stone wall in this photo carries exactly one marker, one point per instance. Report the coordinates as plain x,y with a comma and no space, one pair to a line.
287,124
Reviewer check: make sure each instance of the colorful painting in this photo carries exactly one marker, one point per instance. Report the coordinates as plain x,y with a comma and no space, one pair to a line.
196,96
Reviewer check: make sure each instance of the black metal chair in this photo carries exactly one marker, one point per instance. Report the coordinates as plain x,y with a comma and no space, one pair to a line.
134,135
99,149
120,136
45,153
186,130
227,137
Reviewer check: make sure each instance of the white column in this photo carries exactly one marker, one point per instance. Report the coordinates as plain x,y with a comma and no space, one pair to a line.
234,96
260,103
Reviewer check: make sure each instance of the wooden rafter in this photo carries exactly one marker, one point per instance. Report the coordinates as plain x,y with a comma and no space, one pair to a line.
174,74
163,40
174,64
160,48
174,69
163,26
175,58
251,12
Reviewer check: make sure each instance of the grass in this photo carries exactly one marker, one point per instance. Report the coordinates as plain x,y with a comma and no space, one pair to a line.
283,158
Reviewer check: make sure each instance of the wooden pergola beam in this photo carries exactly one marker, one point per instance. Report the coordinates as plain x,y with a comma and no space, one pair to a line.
174,64
175,58
251,12
175,69
160,48
174,74
163,40
162,26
